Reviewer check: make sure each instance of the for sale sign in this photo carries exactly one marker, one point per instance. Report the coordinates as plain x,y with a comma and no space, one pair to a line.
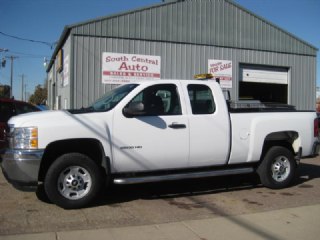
119,68
222,70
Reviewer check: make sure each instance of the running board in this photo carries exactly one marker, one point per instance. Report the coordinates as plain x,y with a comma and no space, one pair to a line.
180,176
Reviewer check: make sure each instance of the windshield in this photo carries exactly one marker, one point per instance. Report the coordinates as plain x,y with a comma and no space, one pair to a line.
112,98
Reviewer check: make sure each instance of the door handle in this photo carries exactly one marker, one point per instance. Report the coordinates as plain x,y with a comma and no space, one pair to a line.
175,125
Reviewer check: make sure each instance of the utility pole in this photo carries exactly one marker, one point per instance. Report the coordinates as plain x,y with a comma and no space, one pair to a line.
11,75
22,87
25,92
3,60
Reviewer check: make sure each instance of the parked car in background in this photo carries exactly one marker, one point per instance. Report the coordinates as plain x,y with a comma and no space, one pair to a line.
318,116
9,108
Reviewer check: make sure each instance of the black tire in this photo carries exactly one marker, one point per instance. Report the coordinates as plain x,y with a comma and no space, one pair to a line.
277,169
73,181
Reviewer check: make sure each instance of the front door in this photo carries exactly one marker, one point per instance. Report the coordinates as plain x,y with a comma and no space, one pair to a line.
156,140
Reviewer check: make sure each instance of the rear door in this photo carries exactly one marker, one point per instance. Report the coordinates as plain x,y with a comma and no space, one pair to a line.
209,126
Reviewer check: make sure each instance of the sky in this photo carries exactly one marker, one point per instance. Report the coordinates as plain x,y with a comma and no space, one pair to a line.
43,21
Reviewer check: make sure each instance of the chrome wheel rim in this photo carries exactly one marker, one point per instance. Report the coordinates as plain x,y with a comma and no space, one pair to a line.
74,182
280,169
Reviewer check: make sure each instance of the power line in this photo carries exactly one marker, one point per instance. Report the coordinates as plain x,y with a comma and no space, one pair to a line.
51,45
29,55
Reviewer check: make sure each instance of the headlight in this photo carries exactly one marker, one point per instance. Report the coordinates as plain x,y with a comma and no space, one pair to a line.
24,138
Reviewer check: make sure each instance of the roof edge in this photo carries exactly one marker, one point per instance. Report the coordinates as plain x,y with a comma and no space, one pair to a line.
271,23
62,39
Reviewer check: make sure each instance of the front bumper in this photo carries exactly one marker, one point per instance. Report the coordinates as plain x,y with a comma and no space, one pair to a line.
21,167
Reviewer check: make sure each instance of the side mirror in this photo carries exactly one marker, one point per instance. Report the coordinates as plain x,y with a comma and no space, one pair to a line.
134,109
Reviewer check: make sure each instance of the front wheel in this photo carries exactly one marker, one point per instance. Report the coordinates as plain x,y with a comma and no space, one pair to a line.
277,168
73,181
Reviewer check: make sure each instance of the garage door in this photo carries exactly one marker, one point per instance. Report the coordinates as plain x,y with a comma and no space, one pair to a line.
264,83
264,74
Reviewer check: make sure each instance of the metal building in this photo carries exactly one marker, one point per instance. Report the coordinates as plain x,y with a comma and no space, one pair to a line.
189,36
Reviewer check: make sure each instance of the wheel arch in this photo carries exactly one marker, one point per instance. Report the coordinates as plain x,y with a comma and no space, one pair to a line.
288,139
87,146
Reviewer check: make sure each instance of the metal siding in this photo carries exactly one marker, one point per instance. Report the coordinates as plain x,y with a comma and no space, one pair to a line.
186,34
208,22
91,72
182,61
98,29
57,80
104,27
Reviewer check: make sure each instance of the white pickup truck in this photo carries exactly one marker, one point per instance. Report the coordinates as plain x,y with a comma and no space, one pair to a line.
155,131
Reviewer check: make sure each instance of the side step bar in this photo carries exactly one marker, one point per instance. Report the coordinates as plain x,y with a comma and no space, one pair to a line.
180,176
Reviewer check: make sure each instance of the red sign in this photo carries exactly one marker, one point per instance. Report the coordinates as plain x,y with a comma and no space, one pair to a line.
221,69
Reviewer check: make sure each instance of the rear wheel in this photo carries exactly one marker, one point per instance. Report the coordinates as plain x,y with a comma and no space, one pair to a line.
277,168
73,181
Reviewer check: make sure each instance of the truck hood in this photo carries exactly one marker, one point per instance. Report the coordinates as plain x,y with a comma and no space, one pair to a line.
60,125
33,119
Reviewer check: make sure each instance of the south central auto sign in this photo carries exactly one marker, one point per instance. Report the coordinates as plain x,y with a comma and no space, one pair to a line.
118,68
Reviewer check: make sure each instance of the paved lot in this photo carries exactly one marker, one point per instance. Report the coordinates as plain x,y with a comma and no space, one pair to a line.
149,204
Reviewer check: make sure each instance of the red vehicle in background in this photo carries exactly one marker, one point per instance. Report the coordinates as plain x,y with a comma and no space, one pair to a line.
8,109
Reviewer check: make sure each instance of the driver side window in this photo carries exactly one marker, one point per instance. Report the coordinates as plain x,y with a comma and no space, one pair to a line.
158,100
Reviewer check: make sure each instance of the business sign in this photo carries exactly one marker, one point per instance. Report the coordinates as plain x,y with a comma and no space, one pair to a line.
60,61
119,68
66,73
222,70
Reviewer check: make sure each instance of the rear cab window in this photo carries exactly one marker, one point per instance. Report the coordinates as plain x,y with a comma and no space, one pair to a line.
201,99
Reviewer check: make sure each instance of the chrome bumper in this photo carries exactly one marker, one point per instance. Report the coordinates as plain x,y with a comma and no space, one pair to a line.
21,167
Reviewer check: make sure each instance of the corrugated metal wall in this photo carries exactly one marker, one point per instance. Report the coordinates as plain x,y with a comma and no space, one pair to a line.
56,86
186,34
205,22
182,61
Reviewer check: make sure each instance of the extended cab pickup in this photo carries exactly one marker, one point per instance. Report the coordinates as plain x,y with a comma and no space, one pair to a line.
155,131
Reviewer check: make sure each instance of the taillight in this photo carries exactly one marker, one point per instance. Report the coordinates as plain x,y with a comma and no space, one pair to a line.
316,127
